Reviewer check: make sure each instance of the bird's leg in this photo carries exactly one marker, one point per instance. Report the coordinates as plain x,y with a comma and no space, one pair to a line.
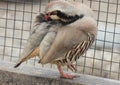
64,75
72,67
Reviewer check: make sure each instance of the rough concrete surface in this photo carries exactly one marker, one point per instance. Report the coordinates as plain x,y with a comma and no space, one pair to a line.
39,76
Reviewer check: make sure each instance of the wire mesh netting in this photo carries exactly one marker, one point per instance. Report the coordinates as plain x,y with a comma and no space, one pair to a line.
102,59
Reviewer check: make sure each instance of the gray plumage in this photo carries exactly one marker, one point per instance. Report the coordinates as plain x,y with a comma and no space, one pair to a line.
69,32
41,29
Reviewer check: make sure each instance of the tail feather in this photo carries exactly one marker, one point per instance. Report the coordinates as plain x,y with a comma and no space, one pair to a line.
18,64
32,54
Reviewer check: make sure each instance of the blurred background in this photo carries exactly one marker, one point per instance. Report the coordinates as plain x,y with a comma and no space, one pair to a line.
102,59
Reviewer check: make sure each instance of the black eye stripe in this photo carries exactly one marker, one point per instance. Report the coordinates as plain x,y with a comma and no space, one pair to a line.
64,16
61,15
68,19
72,19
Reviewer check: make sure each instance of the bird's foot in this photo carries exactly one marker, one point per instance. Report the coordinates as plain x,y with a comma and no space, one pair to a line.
65,75
69,76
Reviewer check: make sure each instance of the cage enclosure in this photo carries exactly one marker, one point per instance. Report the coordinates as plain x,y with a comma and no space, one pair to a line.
102,59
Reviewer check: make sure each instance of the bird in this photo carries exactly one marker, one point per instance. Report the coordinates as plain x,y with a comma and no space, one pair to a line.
40,29
66,32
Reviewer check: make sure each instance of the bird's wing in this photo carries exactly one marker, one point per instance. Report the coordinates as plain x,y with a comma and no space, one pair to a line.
64,41
33,42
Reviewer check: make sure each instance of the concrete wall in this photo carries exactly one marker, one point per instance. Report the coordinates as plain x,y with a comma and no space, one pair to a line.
39,76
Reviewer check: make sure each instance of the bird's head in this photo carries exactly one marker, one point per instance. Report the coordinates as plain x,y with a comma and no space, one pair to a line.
62,11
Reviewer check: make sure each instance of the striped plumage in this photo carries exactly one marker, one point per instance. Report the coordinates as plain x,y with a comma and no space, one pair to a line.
79,28
77,51
61,35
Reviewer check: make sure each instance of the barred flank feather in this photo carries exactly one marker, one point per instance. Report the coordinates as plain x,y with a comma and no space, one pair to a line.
77,51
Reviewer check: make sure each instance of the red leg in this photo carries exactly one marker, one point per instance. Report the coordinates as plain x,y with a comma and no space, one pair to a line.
64,75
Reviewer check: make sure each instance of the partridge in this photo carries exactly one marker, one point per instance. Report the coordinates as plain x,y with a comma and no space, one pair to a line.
63,34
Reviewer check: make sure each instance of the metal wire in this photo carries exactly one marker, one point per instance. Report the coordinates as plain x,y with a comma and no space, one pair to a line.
102,59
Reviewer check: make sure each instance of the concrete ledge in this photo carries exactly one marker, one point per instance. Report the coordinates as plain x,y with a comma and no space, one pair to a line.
38,76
